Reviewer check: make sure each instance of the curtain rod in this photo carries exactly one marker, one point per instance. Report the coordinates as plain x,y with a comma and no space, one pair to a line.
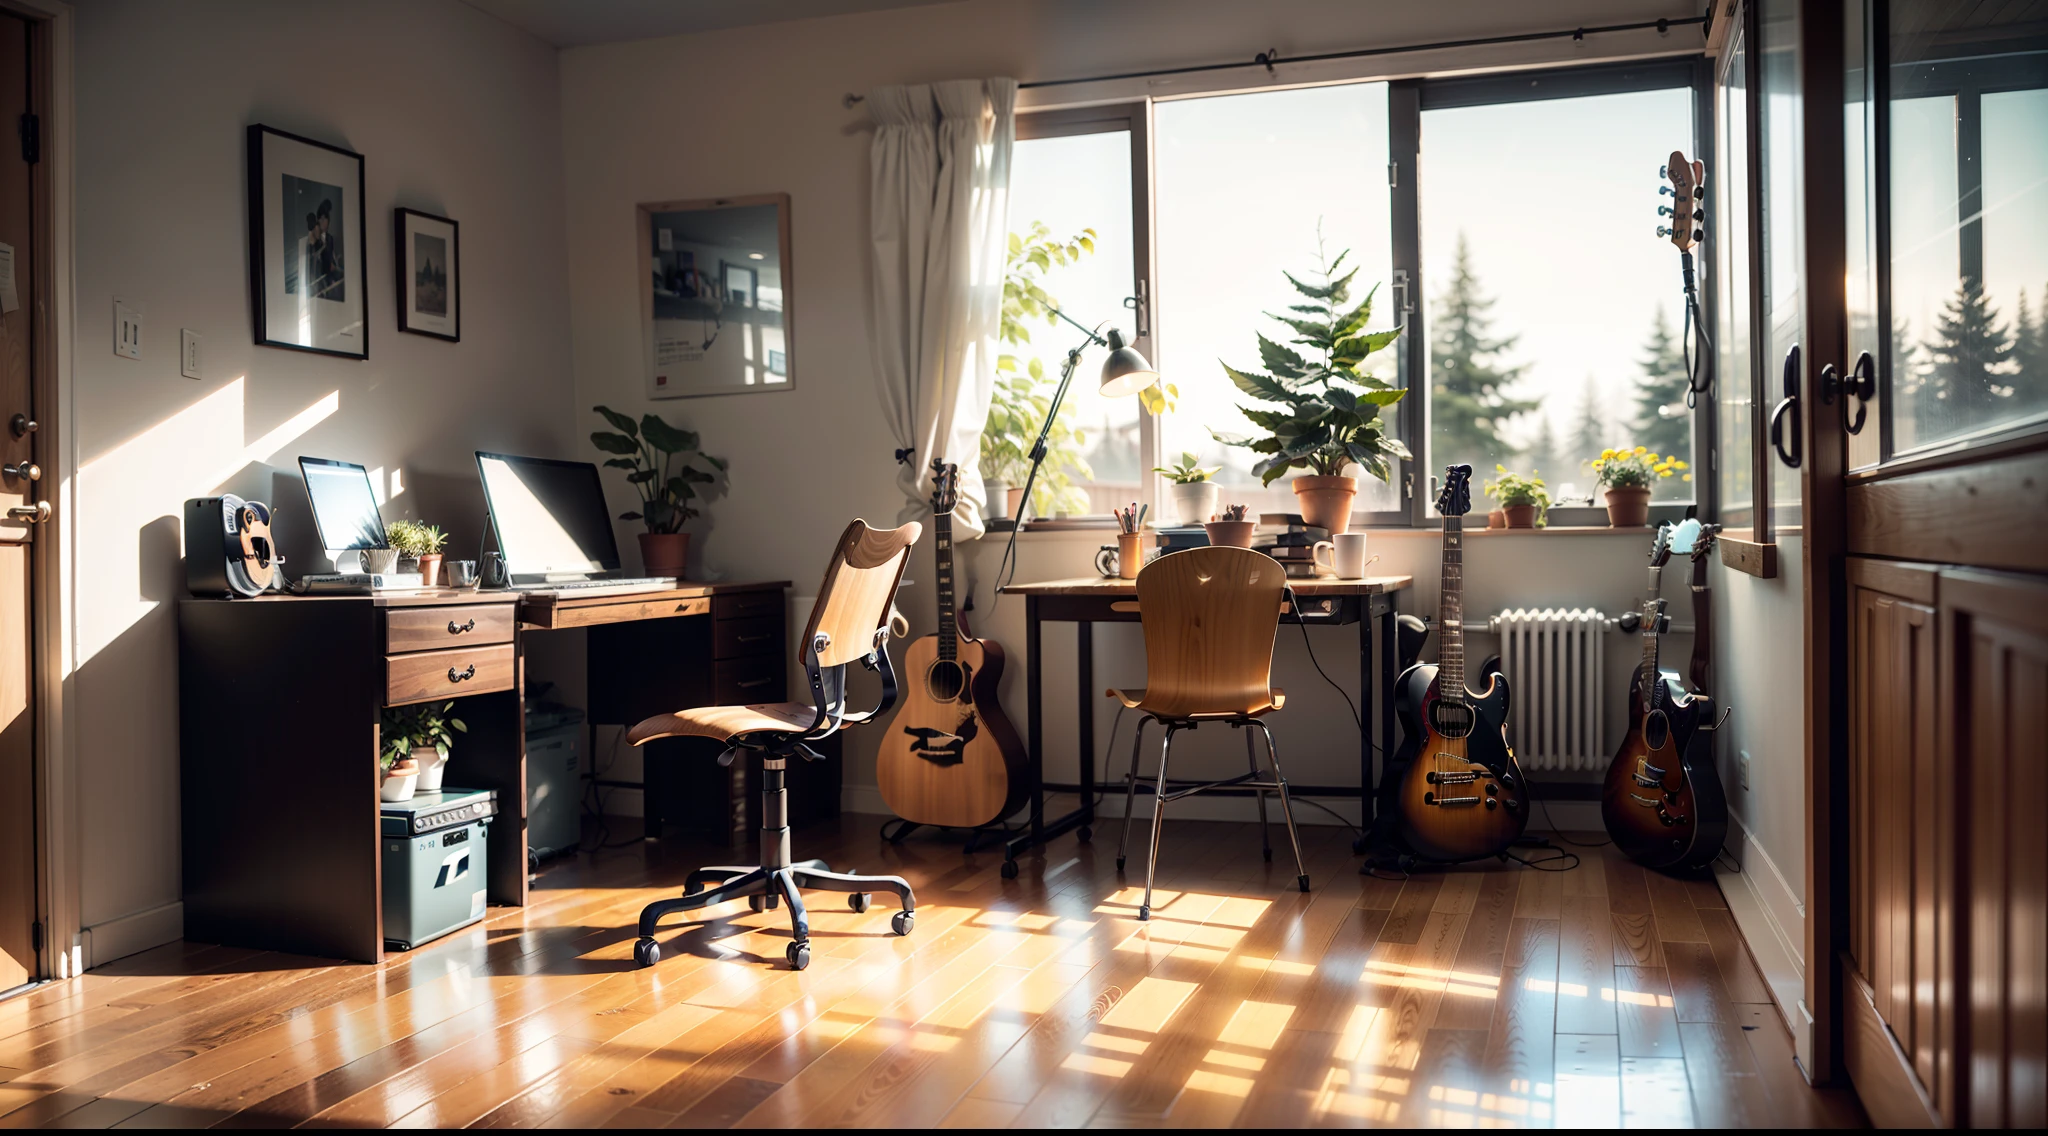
1270,58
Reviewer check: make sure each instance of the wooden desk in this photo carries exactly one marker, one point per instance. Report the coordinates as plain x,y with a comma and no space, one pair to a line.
279,701
1371,603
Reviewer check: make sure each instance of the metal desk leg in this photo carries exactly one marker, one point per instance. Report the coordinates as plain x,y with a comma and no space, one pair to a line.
1390,666
1368,781
1034,716
1084,667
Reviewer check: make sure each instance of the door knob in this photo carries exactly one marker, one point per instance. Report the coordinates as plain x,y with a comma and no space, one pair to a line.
30,514
29,470
22,425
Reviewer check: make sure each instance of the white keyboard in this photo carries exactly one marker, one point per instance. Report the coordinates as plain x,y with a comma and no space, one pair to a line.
600,587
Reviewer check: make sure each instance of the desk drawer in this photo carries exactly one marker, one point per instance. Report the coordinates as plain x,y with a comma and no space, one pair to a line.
427,628
741,681
425,675
734,638
748,605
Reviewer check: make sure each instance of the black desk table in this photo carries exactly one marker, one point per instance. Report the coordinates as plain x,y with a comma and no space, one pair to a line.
1371,603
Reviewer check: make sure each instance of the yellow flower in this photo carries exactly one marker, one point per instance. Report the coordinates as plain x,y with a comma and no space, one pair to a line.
1681,465
1607,453
1688,477
1641,450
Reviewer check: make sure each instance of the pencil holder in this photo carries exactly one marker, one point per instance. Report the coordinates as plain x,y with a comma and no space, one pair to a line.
1130,554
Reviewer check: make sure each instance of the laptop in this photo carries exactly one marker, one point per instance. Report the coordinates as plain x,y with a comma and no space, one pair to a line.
554,528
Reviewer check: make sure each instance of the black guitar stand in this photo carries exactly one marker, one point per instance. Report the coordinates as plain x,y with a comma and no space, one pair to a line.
903,829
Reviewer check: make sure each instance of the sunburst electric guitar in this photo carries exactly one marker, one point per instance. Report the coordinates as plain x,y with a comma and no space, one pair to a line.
951,758
1463,796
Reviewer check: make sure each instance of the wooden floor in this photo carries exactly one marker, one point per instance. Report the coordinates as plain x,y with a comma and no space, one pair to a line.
1601,996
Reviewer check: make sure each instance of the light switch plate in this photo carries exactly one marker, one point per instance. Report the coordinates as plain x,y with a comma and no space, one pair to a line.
127,329
188,352
1742,767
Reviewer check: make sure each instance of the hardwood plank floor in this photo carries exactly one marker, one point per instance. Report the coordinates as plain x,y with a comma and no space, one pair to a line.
1489,995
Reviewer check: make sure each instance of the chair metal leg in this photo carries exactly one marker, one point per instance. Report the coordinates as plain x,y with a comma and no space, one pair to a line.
848,882
1251,757
1130,792
752,883
799,952
1286,810
716,875
1158,819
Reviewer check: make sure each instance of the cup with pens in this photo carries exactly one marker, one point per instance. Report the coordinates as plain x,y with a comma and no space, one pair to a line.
1130,541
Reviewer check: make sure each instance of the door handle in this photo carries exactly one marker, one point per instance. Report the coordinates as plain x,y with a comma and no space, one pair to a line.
1861,386
1788,407
34,514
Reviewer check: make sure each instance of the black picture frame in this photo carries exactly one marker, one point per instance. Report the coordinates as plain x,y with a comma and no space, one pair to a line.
344,330
412,315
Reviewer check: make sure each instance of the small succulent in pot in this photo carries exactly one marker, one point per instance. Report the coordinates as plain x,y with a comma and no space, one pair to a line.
1194,496
1525,500
421,543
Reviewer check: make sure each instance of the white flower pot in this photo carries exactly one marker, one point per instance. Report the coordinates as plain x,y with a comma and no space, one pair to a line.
995,498
432,766
398,786
1195,502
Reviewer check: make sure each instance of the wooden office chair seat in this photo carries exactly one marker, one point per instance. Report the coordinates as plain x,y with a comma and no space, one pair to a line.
849,624
1135,700
1210,616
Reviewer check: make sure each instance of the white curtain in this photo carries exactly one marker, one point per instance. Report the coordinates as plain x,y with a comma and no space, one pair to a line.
940,175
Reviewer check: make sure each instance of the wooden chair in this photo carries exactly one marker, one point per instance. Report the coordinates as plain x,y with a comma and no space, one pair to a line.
849,623
1210,615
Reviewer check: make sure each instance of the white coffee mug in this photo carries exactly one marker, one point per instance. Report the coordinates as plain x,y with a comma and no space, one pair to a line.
1347,556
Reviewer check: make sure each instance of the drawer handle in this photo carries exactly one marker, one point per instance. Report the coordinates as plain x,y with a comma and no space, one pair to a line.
754,682
455,628
460,676
753,638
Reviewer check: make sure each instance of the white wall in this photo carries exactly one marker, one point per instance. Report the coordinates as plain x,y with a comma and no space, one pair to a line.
457,114
757,110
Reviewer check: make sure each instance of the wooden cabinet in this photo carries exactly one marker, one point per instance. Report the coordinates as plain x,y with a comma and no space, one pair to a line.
1948,848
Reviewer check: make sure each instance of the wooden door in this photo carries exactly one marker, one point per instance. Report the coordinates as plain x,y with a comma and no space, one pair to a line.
18,362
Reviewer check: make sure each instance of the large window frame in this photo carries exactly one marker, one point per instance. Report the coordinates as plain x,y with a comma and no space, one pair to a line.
1407,99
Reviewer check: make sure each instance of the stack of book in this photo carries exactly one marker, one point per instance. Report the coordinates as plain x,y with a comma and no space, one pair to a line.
1290,540
1175,538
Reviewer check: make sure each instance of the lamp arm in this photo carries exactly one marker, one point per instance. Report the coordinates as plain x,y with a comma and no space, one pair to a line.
1094,333
1008,565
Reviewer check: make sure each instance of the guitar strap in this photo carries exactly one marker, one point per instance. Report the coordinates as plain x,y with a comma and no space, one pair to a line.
1702,626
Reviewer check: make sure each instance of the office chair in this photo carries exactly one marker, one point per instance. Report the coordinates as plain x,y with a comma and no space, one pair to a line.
850,622
1209,616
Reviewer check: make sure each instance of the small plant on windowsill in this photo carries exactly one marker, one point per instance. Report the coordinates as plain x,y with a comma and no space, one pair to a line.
420,544
650,449
1194,495
1627,476
1524,500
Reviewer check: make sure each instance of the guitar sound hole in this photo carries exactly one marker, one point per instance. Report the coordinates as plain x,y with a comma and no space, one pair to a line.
945,680
1451,719
1656,729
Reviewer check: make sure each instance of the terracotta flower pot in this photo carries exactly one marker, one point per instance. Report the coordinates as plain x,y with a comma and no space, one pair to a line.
1628,506
1496,519
1015,498
399,781
1230,534
1325,502
1520,516
430,570
664,554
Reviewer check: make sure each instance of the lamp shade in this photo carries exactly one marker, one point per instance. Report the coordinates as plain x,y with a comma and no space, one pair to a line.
1125,371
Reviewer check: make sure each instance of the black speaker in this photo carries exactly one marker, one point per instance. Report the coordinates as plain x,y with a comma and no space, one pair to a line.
228,551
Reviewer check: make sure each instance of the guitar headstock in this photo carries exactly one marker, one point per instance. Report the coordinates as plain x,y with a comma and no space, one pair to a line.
1660,545
1703,544
1455,498
945,487
1688,191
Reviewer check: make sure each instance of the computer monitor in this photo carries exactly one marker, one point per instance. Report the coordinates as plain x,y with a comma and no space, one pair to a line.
344,506
550,516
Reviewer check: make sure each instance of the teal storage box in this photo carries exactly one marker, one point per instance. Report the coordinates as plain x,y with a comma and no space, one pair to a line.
434,863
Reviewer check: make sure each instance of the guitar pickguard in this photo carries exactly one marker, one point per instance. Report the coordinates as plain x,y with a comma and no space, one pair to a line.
939,747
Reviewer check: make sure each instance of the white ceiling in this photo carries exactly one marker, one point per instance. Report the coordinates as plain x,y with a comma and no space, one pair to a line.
573,23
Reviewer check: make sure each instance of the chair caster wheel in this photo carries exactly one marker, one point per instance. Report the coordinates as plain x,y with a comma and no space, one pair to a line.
645,953
902,922
1303,881
758,902
1009,869
1357,845
799,955
1144,914
1085,834
1119,865
1268,853
857,901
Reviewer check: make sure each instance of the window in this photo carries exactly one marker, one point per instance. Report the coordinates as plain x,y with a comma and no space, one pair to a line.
1734,380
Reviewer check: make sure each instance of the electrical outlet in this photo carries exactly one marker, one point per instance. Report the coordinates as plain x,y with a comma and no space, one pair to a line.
127,329
1742,768
188,353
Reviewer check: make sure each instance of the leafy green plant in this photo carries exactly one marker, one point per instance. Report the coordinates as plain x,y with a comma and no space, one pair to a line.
1023,390
407,728
1186,472
1635,469
1511,489
650,448
1329,410
414,540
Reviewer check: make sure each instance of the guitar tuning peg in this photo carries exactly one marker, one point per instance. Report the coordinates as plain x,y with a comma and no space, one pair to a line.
1664,190
1699,214
1699,234
1662,231
1663,171
1664,211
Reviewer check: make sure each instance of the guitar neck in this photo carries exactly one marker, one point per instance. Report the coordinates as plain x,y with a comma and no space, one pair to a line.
949,626
1451,613
1651,610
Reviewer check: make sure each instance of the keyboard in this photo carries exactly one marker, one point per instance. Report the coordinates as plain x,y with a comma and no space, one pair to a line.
622,586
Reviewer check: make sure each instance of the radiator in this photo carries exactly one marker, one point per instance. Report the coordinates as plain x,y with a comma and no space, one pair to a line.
1552,658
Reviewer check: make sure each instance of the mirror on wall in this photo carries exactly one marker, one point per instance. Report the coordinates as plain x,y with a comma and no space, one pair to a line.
714,296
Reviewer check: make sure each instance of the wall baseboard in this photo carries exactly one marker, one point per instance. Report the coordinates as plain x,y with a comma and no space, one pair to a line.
868,799
1772,921
132,934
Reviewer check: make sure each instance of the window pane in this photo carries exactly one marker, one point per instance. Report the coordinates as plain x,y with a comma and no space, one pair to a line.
1245,184
1734,383
1783,311
1555,313
1069,185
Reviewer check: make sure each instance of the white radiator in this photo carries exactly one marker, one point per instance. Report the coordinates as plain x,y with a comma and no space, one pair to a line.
1552,658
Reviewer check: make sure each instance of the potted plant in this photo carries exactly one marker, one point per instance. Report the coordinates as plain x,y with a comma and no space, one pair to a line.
1627,476
1329,411
1230,529
420,736
1524,501
649,449
1194,495
418,545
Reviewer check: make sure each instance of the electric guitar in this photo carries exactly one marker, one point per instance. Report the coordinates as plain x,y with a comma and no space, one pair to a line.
1463,797
950,758
1662,800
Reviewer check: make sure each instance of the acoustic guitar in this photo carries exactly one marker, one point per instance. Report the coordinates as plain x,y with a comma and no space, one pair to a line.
1662,800
951,758
1463,796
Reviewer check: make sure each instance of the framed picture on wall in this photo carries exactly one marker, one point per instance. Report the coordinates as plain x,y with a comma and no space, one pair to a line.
306,244
429,275
715,296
